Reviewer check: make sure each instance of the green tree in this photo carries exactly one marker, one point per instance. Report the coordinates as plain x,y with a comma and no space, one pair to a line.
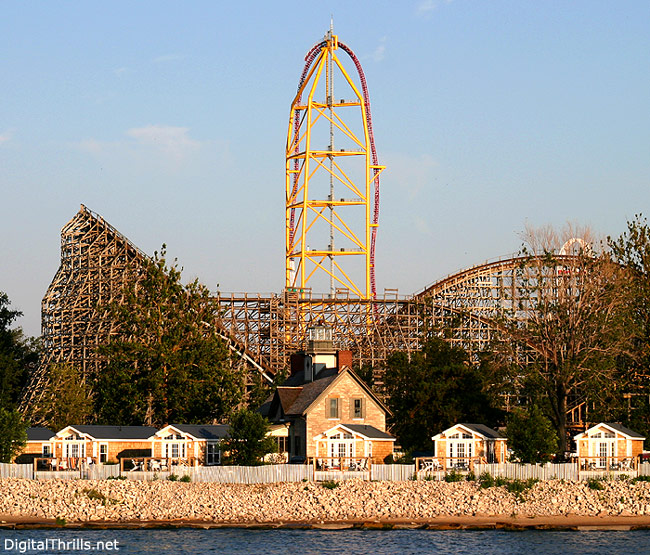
167,363
569,326
247,442
632,251
17,355
435,389
531,435
13,434
66,399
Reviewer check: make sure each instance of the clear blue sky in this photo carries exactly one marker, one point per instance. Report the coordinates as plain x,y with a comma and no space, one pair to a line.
169,119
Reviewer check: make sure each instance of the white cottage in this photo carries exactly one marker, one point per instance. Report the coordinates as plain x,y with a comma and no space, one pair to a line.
464,444
608,446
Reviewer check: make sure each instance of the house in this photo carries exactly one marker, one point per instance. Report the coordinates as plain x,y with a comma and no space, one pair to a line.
326,409
39,445
94,444
464,444
189,444
608,446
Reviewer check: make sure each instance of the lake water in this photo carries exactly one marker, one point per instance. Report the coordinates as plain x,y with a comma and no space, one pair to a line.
307,542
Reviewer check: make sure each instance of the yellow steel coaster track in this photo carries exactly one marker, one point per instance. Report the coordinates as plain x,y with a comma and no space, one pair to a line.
331,174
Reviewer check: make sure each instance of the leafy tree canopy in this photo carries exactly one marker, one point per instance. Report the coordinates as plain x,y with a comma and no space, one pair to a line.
569,326
531,435
17,355
247,442
13,434
432,391
167,363
66,399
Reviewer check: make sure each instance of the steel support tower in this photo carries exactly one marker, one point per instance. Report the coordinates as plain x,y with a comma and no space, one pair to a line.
332,179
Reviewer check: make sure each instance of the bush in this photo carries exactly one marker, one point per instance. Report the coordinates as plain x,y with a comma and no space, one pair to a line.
519,486
185,478
330,484
454,476
641,479
172,477
595,483
486,480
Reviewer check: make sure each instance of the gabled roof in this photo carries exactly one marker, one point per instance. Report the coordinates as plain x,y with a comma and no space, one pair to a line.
39,434
367,432
198,431
113,432
480,429
614,427
298,398
308,394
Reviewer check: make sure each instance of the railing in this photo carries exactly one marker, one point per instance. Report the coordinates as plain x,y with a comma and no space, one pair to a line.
155,464
605,464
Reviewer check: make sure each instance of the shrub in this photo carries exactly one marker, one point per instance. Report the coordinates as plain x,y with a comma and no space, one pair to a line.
172,477
454,476
330,484
185,478
519,486
470,476
595,483
486,480
641,479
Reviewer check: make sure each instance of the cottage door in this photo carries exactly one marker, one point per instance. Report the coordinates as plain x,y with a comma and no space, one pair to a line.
603,453
490,452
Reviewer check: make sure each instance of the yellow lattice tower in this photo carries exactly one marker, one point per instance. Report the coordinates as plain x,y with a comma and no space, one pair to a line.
332,178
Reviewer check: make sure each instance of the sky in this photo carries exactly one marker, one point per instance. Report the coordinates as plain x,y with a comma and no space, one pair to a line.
169,119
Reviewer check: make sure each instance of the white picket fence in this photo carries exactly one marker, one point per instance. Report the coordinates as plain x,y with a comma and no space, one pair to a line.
302,472
392,472
16,470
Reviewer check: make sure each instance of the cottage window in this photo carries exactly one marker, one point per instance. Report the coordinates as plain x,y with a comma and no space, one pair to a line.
47,450
333,408
467,436
212,454
103,452
609,434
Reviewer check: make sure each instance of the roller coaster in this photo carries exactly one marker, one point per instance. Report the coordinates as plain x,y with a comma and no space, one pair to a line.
265,329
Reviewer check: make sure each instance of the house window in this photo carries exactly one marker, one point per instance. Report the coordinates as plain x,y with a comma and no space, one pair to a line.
103,452
174,450
47,450
333,408
212,454
357,408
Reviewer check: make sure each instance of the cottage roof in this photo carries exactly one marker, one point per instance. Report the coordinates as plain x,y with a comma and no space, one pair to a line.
363,430
368,431
115,432
199,431
39,434
614,426
480,429
484,431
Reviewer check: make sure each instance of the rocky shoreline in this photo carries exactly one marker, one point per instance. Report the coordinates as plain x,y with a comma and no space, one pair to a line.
354,503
